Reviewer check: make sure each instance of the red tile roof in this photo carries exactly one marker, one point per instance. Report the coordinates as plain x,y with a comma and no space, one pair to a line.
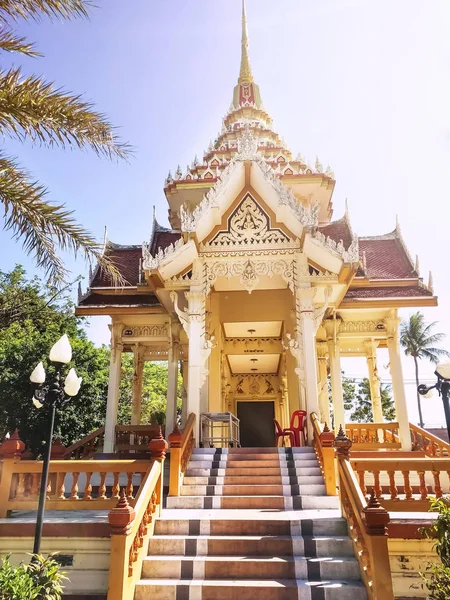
126,260
162,239
386,259
387,292
120,300
338,230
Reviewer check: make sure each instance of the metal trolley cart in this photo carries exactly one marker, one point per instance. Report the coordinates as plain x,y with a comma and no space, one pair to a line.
219,430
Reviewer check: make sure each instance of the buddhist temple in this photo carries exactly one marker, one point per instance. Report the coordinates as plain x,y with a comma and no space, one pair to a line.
256,290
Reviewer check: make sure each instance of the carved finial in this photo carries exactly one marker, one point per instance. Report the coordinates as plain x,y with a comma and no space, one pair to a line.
329,172
342,443
346,208
373,501
318,166
158,446
326,429
417,265
397,224
179,173
12,446
245,74
196,162
175,437
80,292
105,240
430,282
122,516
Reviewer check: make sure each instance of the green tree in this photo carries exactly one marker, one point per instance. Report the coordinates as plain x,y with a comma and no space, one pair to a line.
35,110
437,576
154,392
360,402
27,332
419,341
41,579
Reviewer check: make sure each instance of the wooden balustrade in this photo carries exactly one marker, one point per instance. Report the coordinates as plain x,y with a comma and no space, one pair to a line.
323,446
428,443
182,444
373,436
86,447
404,484
135,438
73,484
131,527
367,522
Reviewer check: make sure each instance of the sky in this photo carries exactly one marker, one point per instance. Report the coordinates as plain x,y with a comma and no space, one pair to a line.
363,85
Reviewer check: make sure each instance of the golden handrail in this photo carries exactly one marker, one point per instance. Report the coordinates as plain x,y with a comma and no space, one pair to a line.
323,445
181,447
436,446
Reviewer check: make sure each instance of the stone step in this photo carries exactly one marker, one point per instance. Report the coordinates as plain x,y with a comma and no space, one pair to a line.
253,490
254,502
255,480
251,545
249,464
249,567
304,450
227,589
197,471
241,526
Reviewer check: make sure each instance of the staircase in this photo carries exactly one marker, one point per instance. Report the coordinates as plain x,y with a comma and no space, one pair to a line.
251,524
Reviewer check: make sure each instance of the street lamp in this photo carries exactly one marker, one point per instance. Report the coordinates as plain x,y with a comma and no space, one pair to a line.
52,397
443,387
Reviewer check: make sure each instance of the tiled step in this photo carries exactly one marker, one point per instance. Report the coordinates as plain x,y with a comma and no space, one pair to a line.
254,490
283,589
249,567
255,480
248,464
304,450
255,502
251,545
244,525
196,471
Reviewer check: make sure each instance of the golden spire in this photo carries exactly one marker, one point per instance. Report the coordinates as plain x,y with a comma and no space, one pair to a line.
245,76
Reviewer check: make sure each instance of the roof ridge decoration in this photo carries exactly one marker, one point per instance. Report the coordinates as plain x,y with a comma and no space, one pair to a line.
151,262
248,150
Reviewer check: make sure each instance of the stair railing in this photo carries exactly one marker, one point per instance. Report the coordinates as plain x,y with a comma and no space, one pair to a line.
132,527
323,446
182,444
367,522
428,443
87,446
373,436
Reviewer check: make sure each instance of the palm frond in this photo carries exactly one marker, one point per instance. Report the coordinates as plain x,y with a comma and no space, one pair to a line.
418,339
433,354
66,9
32,108
44,228
9,42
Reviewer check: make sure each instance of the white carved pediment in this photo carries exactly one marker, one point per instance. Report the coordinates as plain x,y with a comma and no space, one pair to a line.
249,226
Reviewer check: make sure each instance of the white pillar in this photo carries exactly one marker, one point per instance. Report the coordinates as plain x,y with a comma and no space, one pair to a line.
172,388
184,387
196,310
306,332
334,353
138,373
398,385
113,390
324,399
374,380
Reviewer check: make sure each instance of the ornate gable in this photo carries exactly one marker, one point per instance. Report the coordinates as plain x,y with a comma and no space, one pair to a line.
248,225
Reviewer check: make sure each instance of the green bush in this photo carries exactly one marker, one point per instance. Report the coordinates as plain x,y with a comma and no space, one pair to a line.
437,577
41,579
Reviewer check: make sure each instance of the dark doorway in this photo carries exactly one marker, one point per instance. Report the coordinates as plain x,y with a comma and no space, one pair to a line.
256,422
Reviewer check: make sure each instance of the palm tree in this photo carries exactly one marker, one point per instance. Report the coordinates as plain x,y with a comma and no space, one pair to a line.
35,110
419,341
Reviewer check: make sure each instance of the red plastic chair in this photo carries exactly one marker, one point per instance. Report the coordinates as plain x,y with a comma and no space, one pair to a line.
298,426
282,434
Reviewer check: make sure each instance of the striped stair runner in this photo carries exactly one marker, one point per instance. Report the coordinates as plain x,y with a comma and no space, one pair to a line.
251,524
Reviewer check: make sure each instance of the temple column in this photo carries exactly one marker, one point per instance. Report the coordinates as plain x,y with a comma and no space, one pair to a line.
184,386
398,385
306,333
334,353
374,380
138,356
115,367
172,387
324,400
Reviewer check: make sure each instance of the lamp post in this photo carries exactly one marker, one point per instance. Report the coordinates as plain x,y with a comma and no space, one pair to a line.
443,387
51,396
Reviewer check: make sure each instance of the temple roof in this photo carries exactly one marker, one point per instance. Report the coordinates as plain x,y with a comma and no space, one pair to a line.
126,259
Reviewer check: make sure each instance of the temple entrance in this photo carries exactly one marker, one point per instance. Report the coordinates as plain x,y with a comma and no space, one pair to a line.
256,423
